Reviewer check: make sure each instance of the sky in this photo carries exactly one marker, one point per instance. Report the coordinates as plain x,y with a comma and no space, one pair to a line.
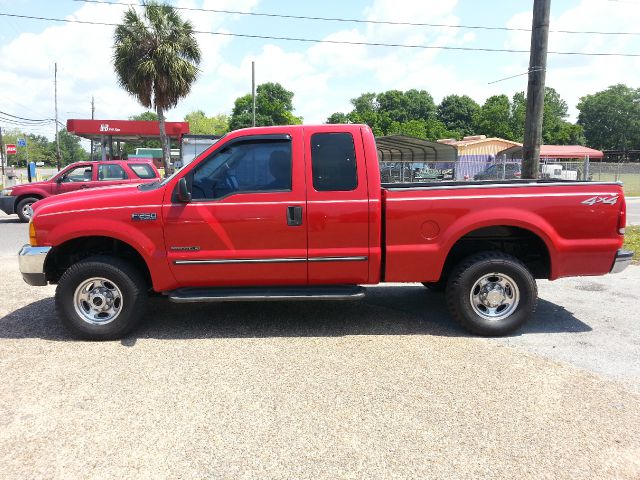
323,76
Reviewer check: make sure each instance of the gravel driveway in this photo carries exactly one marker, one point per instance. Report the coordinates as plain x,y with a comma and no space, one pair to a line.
383,388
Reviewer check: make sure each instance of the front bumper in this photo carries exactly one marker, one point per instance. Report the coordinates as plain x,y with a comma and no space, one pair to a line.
8,204
31,261
622,260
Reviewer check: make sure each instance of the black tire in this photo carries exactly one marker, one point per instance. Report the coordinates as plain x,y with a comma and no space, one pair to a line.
471,270
129,285
439,286
22,206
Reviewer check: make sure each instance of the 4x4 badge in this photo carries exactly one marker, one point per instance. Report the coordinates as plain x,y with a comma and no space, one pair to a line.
606,200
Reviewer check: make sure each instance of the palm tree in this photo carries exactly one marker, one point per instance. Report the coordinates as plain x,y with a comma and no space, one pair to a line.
156,58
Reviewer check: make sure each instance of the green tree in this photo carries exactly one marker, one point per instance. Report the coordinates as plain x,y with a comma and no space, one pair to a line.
70,149
338,117
556,130
611,118
457,113
156,59
274,106
200,124
494,118
388,112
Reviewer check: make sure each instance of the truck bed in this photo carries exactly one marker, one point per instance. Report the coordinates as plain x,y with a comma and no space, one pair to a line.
576,221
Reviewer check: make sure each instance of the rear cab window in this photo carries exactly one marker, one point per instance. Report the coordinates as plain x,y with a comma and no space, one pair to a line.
333,162
143,170
110,172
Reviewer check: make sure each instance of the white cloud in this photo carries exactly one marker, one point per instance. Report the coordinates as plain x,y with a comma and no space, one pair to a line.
323,76
576,76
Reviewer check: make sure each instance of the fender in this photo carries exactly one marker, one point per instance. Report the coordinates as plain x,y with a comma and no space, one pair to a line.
495,217
151,250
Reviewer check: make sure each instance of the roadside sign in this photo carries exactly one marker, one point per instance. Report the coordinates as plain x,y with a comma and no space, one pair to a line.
11,149
22,142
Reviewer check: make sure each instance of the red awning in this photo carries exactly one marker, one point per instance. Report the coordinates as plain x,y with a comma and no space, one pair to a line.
123,130
569,151
554,151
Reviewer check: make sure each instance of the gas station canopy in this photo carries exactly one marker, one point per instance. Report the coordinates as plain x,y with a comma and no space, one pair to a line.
124,130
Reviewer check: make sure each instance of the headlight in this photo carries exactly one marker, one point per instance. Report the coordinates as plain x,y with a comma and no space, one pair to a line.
6,192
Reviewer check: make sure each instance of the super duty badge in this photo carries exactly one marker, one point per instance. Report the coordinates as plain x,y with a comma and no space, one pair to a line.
143,216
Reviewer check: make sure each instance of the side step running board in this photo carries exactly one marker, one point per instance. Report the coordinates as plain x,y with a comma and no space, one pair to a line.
261,294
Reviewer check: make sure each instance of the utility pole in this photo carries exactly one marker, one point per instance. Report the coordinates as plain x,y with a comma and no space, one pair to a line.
535,89
2,156
55,93
253,91
93,109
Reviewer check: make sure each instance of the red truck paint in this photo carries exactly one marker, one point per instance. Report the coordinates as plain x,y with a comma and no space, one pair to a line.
374,233
54,185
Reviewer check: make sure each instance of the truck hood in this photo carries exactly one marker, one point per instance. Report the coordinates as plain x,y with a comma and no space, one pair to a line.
94,198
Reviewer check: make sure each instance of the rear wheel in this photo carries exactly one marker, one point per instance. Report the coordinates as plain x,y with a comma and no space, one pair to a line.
24,210
101,298
491,293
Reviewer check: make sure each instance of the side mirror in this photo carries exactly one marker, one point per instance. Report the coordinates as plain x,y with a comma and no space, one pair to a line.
184,195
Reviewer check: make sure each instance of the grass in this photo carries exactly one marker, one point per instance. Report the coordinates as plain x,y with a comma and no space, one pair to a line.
630,181
632,242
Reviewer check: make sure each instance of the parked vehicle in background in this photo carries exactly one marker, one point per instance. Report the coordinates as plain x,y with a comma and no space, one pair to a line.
298,212
82,175
500,171
553,170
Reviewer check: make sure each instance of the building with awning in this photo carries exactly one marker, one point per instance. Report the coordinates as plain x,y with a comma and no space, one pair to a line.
476,152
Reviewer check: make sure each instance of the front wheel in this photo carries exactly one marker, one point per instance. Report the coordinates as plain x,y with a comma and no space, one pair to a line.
491,293
24,210
101,298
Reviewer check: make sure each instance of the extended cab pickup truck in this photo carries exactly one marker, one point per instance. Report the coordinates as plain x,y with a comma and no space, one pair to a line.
77,176
298,212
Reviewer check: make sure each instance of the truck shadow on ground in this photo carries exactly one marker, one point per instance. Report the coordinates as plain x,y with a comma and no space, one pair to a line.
386,310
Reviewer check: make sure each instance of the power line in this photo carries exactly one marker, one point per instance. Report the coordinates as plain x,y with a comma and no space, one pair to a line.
338,42
357,20
27,119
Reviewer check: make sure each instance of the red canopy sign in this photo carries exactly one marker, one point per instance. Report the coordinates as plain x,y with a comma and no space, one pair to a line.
11,149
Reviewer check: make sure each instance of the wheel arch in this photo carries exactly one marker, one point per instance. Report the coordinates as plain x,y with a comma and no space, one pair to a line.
62,256
526,242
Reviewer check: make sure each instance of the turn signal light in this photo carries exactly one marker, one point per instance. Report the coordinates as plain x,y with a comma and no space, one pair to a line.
622,217
33,241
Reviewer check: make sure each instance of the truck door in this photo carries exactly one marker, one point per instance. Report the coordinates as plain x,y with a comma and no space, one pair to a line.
76,178
245,224
337,206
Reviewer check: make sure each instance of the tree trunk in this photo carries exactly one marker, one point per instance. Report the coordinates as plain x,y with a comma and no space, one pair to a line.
166,152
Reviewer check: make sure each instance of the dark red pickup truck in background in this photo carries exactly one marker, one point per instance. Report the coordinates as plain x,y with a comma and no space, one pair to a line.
76,176
298,212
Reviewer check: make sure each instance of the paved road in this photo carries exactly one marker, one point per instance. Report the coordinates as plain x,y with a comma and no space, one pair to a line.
13,234
386,387
633,210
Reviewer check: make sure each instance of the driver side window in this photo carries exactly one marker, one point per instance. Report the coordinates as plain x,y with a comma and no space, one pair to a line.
78,174
252,166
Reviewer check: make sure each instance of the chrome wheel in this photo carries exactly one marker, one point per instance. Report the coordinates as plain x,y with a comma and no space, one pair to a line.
27,211
98,301
494,296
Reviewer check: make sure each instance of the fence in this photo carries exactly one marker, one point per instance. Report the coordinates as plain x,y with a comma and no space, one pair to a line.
500,169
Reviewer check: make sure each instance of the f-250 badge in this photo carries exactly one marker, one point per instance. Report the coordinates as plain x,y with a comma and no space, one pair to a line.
605,200
143,216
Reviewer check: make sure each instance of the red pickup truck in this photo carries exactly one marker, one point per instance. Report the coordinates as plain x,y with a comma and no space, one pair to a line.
81,175
298,212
